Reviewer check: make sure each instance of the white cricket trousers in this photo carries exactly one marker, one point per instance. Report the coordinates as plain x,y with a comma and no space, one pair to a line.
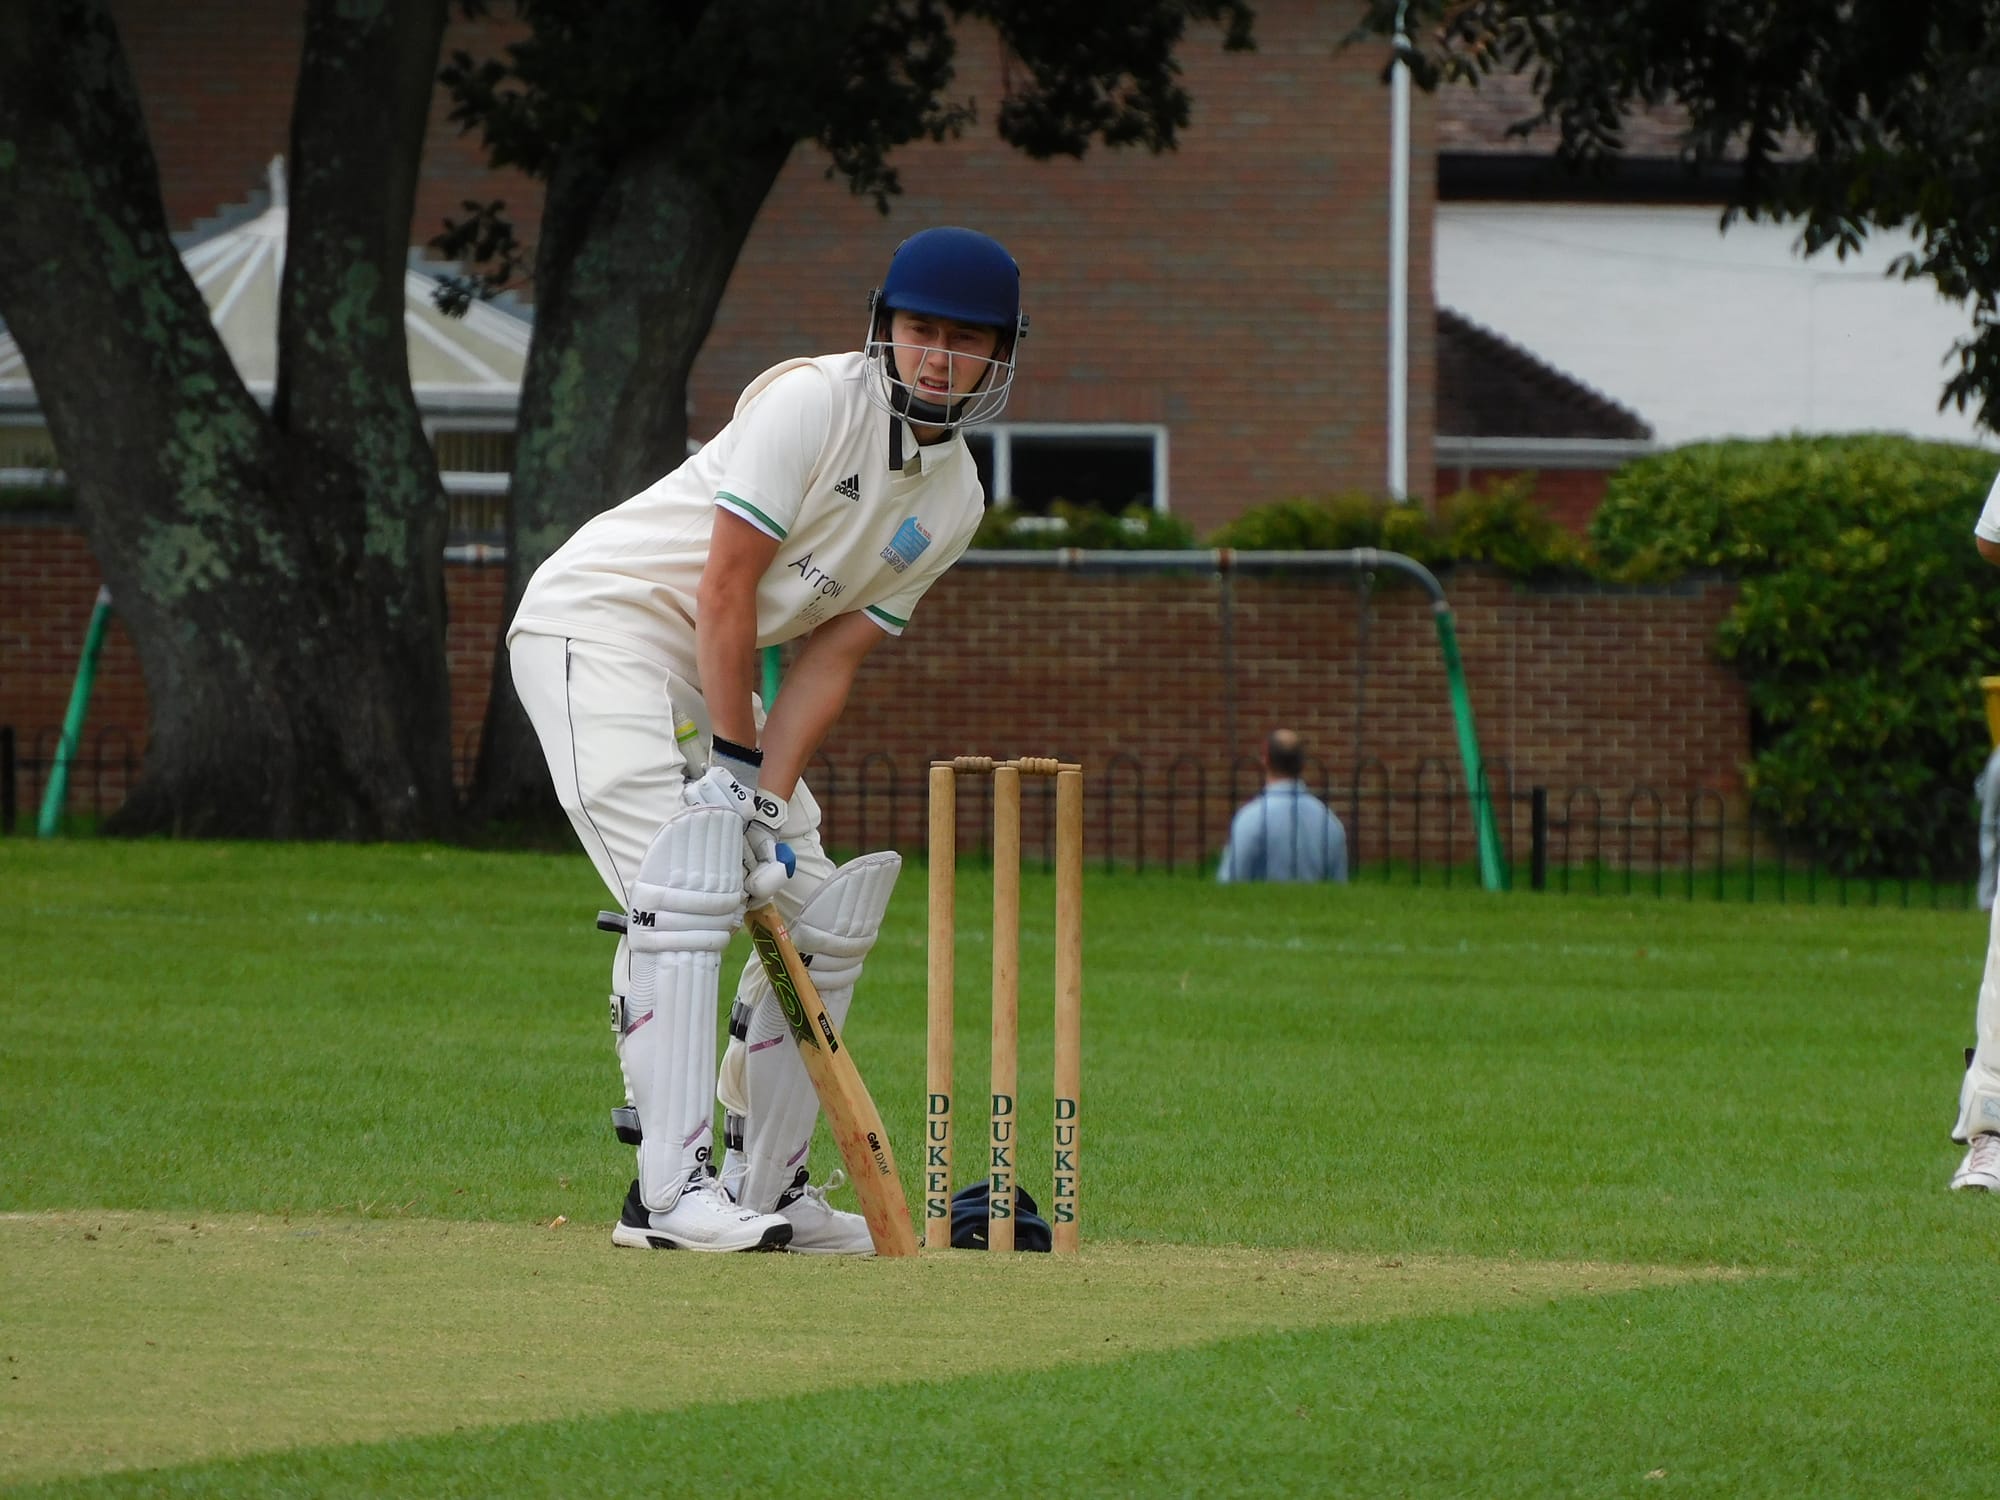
606,718
1979,1097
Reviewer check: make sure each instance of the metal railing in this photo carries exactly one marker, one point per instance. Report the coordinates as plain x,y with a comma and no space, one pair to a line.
1410,824
104,768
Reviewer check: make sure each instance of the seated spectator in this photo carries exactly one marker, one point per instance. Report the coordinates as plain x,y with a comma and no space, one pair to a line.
1284,832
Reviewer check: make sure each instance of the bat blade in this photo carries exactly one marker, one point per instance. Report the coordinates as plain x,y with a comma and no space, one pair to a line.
850,1110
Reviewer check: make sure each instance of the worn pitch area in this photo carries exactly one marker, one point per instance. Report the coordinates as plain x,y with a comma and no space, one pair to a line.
137,1340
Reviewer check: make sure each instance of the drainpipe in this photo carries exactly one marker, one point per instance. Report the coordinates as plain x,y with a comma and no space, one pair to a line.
1399,262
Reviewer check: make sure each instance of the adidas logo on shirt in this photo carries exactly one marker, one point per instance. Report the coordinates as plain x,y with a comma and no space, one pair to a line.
850,487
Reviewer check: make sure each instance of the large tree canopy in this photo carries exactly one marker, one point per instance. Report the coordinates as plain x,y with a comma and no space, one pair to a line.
659,131
280,572
1846,116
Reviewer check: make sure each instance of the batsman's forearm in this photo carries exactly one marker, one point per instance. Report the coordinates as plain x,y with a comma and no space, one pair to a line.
808,707
725,624
725,646
814,692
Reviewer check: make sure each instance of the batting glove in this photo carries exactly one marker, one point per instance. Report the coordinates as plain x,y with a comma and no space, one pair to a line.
767,864
731,782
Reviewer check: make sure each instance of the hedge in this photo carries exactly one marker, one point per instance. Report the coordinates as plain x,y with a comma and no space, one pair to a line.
1863,621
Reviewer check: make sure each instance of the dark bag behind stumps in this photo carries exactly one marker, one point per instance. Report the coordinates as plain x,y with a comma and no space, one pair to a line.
968,1219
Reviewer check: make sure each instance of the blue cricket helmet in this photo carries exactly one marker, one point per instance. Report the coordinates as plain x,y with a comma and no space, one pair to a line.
954,273
959,274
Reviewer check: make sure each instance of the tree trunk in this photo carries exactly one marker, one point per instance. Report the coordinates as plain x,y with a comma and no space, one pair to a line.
275,575
627,279
361,468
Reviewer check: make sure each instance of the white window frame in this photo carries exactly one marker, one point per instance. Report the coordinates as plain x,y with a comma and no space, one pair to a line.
1003,434
26,478
469,481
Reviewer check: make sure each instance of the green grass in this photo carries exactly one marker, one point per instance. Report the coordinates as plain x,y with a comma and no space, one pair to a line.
305,1184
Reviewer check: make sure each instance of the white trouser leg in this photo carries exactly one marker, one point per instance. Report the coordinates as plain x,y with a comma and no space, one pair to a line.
609,725
606,722
1979,1096
686,901
764,1086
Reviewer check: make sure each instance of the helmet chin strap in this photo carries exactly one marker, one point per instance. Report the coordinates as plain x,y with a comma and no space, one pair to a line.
906,407
921,413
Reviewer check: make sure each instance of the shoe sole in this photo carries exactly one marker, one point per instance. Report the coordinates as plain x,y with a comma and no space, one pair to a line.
634,1237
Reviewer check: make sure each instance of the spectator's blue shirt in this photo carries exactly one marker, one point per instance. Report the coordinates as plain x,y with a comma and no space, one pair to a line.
1284,833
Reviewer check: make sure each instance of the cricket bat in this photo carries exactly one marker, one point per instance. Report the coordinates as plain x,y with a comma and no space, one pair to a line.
850,1109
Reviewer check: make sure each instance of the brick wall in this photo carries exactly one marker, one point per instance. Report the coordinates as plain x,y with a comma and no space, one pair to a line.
1180,674
473,594
48,585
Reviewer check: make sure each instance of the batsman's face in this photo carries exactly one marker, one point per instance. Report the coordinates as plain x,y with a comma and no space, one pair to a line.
938,359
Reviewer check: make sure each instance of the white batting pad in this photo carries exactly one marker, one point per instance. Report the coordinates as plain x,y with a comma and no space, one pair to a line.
835,930
687,900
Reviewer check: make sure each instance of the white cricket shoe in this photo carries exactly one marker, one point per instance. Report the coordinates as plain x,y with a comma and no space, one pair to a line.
1981,1167
704,1218
818,1228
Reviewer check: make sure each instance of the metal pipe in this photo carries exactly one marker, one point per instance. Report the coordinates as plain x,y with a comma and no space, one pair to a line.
1212,560
1493,873
49,824
1399,260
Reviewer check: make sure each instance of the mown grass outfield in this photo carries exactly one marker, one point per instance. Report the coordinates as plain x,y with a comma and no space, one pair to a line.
306,1186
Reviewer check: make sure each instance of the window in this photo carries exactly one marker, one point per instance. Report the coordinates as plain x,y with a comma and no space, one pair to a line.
475,464
28,457
474,450
1108,466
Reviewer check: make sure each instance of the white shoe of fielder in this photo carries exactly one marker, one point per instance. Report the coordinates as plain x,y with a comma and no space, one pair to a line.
1981,1167
818,1228
703,1218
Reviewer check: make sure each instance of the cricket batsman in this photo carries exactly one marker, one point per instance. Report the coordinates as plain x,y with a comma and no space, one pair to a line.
838,493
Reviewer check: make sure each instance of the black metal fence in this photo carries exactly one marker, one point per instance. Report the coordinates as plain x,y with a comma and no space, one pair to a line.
1413,825
104,767
1410,824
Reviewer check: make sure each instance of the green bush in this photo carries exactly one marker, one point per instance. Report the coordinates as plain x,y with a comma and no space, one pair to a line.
1863,620
1508,528
1504,526
1331,524
1139,528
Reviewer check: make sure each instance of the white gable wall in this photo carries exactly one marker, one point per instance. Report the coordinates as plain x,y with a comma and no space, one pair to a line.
1707,334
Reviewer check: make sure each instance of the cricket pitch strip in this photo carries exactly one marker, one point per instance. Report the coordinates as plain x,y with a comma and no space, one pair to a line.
134,1340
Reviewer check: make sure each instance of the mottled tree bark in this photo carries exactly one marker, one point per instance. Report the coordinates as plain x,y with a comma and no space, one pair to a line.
280,574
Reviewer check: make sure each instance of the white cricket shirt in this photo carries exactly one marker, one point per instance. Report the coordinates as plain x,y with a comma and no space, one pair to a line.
805,459
1988,524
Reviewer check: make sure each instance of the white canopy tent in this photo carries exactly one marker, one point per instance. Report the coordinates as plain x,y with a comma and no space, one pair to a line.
464,371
